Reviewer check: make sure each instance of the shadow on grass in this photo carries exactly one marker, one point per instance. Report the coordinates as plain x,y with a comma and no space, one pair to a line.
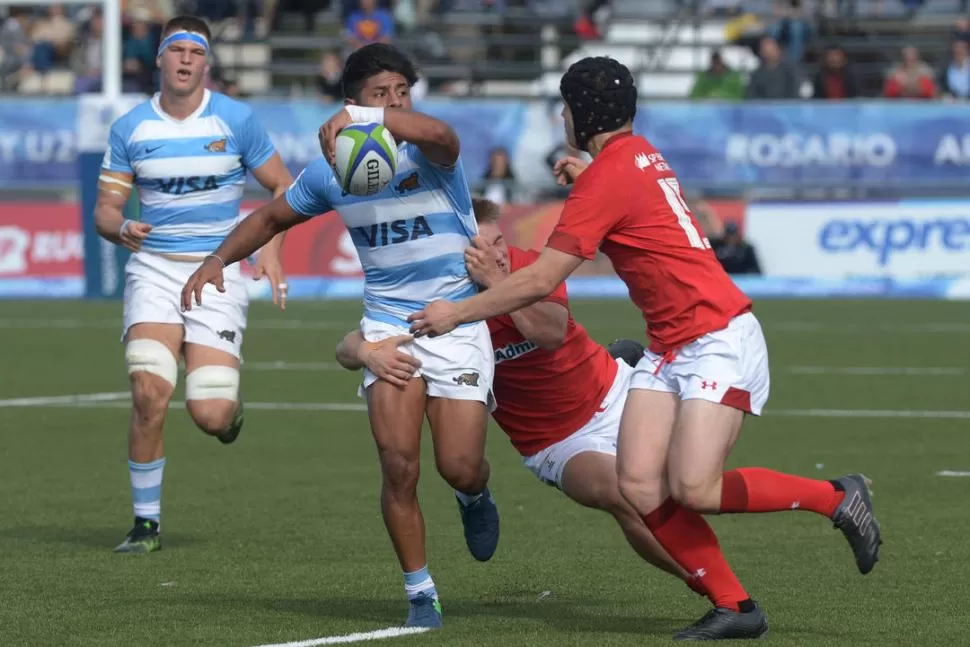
104,538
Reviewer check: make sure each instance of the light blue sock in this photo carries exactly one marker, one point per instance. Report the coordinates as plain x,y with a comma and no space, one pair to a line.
146,488
419,584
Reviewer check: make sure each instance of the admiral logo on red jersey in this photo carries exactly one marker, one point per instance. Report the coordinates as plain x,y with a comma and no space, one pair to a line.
514,350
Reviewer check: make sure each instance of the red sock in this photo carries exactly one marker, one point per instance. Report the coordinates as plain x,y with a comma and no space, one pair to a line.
693,545
756,489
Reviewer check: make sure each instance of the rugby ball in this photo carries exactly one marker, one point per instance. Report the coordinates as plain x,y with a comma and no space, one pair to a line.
365,159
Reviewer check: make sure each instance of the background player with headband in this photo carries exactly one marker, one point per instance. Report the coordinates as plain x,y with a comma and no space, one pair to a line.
559,394
186,151
707,364
429,199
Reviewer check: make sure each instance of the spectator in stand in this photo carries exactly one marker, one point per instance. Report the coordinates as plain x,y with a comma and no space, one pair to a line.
718,81
15,47
911,79
369,24
53,37
88,67
775,78
585,25
138,54
961,31
835,79
499,178
791,29
955,77
328,78
737,256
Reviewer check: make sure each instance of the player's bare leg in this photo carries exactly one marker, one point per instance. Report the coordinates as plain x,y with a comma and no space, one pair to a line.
589,479
706,433
151,352
649,420
212,391
458,430
396,416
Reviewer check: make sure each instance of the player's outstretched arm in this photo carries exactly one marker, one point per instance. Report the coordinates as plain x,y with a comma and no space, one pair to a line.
258,229
275,178
348,349
518,290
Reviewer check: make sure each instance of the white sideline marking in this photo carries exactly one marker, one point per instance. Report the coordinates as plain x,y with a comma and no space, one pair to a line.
67,324
66,400
280,365
380,634
869,413
922,328
952,473
921,371
119,400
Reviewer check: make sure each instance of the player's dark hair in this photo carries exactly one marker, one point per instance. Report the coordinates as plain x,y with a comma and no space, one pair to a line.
188,23
371,60
601,96
486,211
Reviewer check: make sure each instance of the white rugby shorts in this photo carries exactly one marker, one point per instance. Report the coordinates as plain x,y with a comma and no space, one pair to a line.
729,366
153,294
457,366
597,435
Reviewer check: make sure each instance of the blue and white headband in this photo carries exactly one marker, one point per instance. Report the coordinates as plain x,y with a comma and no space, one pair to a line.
192,36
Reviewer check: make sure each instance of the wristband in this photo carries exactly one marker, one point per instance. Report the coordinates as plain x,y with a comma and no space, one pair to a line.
218,258
124,225
362,115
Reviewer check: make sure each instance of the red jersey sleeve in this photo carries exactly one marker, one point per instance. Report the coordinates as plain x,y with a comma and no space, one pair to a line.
519,258
591,211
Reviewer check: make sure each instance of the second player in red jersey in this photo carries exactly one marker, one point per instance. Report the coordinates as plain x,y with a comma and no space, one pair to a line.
559,395
546,394
707,367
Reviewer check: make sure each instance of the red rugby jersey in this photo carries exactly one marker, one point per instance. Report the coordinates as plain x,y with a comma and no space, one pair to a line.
546,396
628,203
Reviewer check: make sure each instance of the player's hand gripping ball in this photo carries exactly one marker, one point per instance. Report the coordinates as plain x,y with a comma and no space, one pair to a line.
365,158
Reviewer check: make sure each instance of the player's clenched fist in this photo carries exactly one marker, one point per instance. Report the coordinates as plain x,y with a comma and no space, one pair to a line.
133,234
568,169
485,263
437,318
209,272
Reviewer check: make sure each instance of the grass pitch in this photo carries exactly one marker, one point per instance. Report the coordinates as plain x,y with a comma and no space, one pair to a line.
279,538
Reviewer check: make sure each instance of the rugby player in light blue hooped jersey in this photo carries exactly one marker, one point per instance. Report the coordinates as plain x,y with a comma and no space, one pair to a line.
186,151
410,238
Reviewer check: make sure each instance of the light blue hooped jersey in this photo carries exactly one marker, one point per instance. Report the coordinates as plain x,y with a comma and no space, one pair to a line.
189,174
410,237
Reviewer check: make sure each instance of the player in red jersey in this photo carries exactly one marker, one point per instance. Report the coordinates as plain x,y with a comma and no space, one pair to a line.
559,394
707,364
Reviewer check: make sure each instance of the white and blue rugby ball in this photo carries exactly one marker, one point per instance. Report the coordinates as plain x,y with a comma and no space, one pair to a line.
365,159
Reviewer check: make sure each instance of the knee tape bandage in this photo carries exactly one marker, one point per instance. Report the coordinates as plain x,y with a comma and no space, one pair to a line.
212,383
152,357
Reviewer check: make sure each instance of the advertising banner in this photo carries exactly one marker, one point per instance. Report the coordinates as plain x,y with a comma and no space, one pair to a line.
918,239
710,145
41,249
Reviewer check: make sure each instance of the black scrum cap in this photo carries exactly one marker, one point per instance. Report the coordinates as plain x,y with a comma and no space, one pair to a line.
600,94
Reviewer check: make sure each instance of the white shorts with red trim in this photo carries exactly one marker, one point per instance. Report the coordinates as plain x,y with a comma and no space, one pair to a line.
729,366
597,435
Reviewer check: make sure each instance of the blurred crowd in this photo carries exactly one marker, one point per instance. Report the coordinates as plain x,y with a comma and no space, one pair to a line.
43,47
782,40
